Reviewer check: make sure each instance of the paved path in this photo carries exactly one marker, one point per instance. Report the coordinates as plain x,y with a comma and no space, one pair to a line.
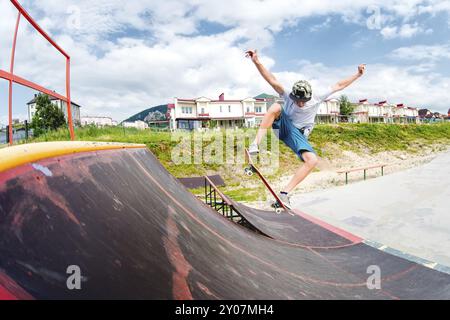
408,210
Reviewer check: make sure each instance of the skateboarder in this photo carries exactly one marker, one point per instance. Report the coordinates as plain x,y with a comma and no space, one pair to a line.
295,119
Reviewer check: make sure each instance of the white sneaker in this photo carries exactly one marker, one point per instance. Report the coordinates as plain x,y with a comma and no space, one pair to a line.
286,199
253,149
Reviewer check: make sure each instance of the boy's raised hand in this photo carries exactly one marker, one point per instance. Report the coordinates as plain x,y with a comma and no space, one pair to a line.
252,54
361,69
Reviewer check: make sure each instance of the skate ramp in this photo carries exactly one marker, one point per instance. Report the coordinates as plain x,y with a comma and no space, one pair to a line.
136,233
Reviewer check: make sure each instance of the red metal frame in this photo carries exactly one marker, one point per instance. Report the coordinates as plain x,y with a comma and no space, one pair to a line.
12,78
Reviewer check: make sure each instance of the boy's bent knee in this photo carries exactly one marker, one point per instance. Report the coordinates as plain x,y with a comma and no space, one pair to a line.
310,159
275,109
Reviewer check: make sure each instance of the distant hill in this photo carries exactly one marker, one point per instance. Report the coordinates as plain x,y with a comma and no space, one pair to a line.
266,96
153,112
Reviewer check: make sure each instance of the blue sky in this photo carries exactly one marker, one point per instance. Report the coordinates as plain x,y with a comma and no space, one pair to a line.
129,55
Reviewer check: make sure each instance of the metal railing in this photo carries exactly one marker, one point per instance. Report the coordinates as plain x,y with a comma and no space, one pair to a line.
12,78
219,202
347,171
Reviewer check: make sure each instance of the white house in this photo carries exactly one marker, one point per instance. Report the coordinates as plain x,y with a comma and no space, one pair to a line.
62,106
328,111
141,125
97,121
360,113
204,112
404,114
384,112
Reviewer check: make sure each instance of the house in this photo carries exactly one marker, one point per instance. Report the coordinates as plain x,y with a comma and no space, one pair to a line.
204,112
360,112
62,106
141,125
157,119
384,112
97,121
329,111
412,115
438,116
427,115
378,112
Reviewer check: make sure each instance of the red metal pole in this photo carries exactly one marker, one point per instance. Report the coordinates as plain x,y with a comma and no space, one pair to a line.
16,79
69,105
11,70
37,27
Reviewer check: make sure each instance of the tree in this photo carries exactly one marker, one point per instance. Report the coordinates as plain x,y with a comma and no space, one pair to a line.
345,106
47,117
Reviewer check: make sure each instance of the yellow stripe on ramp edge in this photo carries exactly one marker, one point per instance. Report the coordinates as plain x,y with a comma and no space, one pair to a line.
11,157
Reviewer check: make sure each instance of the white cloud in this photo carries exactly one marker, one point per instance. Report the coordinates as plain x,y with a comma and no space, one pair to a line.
167,18
405,31
383,82
324,25
128,55
422,52
389,32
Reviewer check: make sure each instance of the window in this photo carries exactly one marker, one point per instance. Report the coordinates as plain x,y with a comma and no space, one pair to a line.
220,108
203,110
186,110
229,108
248,109
258,109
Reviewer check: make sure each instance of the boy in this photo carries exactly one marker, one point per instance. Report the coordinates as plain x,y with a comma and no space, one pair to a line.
295,120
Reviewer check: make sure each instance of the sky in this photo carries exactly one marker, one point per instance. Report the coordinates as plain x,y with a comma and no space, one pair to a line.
128,55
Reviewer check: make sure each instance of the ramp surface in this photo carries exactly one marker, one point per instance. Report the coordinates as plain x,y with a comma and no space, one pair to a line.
136,233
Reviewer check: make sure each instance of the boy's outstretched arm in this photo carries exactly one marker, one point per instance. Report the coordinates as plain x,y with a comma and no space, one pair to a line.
346,82
269,77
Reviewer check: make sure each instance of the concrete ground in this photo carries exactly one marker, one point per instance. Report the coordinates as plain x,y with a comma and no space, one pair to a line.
408,211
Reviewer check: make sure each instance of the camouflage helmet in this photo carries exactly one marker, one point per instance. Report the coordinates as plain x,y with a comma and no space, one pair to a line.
301,91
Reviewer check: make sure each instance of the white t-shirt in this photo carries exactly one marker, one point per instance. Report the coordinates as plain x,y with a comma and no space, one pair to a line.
304,117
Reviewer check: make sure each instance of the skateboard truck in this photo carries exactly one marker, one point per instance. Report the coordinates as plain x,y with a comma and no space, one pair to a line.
278,208
249,171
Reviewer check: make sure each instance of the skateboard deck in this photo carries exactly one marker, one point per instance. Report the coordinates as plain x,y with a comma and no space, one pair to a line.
278,205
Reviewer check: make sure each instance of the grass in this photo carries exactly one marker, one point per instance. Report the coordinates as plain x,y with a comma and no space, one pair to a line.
380,137
359,138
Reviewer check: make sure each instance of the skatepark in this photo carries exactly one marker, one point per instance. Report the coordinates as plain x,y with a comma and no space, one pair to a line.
113,212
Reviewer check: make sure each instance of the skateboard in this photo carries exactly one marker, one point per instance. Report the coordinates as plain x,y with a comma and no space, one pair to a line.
250,170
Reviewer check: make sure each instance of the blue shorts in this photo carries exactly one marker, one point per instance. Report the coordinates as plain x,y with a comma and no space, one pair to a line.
291,135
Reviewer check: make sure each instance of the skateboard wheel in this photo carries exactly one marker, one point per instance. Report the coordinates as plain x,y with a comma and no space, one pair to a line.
248,172
278,210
